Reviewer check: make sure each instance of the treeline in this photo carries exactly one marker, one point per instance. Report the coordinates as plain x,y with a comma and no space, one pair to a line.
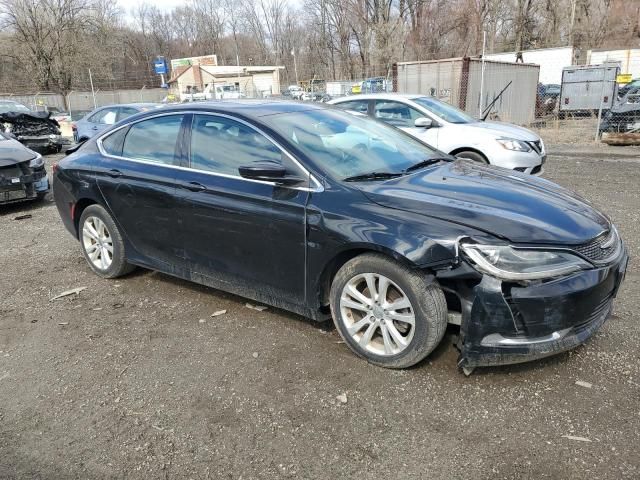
50,45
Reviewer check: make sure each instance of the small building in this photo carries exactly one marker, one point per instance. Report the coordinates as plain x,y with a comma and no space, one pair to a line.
509,89
247,81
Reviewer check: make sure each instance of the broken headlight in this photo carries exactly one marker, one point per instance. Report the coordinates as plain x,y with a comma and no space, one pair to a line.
508,263
37,162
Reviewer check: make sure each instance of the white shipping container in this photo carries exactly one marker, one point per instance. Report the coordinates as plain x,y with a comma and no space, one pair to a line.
629,59
551,61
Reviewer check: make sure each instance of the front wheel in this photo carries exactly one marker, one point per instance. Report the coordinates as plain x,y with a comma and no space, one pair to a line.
475,156
102,243
387,312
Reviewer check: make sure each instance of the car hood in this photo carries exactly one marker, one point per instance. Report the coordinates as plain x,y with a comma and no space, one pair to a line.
506,130
12,152
514,206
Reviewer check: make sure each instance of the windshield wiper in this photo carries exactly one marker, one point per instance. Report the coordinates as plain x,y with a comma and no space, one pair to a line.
425,163
372,176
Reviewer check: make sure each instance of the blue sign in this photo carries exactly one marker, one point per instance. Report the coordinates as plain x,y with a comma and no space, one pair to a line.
160,66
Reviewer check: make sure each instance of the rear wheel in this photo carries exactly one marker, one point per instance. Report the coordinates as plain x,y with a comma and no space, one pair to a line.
475,156
386,312
102,243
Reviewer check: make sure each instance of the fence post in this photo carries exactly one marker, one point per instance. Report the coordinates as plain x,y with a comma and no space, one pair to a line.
604,79
484,44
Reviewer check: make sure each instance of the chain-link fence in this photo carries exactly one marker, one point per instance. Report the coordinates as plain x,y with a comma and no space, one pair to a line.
550,91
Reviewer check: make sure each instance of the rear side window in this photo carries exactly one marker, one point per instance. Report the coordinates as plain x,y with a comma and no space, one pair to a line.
396,113
153,140
112,144
360,106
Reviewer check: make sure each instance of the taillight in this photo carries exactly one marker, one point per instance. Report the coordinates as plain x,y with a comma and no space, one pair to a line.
54,168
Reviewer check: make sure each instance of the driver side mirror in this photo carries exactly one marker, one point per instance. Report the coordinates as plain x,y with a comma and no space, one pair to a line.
268,172
423,122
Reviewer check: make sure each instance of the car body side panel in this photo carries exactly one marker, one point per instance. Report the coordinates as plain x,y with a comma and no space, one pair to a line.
337,223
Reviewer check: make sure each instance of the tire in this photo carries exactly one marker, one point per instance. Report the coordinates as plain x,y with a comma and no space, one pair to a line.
114,264
426,301
475,156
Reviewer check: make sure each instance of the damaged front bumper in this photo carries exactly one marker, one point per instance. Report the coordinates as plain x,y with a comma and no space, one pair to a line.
504,323
19,183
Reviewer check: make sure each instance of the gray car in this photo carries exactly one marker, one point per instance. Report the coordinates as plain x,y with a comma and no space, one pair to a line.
101,118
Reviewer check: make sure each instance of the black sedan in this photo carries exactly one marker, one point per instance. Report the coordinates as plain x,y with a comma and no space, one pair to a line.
327,214
22,172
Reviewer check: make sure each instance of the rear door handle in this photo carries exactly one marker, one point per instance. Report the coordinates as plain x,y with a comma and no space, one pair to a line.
114,173
194,186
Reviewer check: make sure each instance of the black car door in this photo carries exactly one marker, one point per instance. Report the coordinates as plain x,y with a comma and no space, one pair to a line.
239,233
137,180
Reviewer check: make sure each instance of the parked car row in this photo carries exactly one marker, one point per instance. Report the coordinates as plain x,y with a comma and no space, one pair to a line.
333,214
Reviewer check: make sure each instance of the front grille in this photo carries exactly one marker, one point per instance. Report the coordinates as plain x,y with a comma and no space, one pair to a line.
537,146
602,248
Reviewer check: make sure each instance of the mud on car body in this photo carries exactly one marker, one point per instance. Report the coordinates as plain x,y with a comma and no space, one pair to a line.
22,172
331,215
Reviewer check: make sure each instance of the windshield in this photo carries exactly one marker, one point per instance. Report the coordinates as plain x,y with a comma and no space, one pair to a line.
445,111
12,107
344,145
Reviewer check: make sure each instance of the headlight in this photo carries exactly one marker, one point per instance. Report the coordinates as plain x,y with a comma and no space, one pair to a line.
513,144
508,263
37,162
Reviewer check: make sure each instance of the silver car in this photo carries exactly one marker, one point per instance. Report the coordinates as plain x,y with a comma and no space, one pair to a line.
453,131
103,117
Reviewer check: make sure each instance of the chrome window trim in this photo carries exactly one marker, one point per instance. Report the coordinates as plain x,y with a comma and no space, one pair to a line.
317,185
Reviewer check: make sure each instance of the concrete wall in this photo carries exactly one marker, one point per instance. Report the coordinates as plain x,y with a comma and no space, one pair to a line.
84,100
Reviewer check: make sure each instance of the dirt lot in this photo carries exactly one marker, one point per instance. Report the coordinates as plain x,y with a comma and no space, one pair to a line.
134,379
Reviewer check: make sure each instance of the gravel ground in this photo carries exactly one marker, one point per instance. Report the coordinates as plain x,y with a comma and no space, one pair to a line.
134,379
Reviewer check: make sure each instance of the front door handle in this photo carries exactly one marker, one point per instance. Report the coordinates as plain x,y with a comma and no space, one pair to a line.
114,173
194,186
94,128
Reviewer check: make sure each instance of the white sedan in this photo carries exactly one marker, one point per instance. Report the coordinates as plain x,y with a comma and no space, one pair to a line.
452,130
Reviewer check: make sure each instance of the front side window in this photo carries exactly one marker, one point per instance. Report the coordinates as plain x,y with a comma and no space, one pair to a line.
104,117
396,113
346,145
126,112
153,140
360,106
443,110
222,145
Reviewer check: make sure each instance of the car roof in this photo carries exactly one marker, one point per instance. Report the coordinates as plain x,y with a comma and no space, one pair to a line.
381,96
138,104
247,108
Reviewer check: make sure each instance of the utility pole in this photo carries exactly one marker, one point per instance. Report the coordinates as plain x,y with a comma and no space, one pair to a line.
484,46
295,64
95,105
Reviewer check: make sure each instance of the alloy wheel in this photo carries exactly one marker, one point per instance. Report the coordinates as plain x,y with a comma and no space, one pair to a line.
377,314
97,242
